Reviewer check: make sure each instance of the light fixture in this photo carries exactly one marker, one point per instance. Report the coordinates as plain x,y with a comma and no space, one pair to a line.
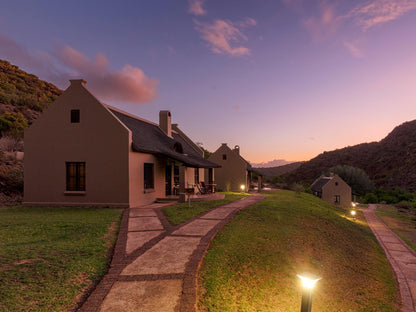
242,187
308,282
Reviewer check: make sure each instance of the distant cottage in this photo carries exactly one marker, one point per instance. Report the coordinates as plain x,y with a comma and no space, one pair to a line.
332,189
83,152
234,170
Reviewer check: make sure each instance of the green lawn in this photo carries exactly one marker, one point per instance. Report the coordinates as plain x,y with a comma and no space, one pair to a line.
252,263
48,256
180,213
401,221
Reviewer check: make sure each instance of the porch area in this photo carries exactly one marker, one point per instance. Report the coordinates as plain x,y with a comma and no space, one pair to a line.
192,197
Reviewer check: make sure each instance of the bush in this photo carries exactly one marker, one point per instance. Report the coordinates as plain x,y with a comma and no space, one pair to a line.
405,205
370,198
11,180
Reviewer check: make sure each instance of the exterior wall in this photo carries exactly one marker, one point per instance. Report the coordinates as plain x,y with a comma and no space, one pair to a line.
337,186
99,140
138,195
233,171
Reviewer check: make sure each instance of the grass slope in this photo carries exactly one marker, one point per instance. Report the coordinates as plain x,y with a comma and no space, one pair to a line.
48,256
252,263
179,213
401,221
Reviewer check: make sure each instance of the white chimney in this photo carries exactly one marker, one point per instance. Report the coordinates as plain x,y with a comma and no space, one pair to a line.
165,122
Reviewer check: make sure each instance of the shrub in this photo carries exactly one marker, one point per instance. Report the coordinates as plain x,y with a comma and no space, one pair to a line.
370,198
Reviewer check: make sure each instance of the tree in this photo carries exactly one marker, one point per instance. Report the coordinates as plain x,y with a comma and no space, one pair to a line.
206,152
355,177
12,124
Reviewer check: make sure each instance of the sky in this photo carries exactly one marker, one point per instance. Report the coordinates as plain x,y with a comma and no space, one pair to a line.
283,79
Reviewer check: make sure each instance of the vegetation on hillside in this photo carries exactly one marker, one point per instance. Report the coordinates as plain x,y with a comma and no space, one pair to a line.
270,173
390,163
252,263
23,90
22,99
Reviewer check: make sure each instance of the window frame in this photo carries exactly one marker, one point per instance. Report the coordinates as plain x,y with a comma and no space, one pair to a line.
196,175
75,176
148,176
75,116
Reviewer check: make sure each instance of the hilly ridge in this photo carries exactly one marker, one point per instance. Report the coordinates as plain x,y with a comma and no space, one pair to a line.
24,93
390,163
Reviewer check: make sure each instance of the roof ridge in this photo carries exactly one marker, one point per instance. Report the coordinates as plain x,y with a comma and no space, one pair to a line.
130,114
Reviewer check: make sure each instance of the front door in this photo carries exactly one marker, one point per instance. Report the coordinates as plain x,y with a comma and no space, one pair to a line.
168,180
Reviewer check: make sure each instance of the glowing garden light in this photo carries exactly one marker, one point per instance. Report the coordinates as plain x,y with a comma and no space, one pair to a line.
308,283
242,187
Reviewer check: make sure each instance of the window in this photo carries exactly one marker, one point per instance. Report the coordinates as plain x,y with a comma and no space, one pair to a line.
148,176
337,199
177,147
75,115
224,156
196,170
176,175
75,176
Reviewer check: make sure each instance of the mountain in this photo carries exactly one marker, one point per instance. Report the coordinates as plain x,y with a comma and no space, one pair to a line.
24,93
389,163
271,172
271,163
23,97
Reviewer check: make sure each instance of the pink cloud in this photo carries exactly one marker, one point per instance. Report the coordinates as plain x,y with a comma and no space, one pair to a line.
39,62
222,34
355,48
326,24
375,12
195,7
128,85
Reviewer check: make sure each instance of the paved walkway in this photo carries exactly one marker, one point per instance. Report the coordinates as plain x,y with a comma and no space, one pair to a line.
401,257
155,264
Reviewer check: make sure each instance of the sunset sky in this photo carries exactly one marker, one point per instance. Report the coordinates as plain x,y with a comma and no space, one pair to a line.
283,79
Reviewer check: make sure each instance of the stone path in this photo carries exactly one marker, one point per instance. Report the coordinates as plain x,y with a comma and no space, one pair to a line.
401,257
155,264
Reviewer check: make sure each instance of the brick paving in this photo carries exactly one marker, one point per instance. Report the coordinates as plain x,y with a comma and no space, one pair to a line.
401,257
155,265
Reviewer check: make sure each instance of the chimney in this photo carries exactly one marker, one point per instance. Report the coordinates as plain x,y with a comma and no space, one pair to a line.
237,149
77,82
165,122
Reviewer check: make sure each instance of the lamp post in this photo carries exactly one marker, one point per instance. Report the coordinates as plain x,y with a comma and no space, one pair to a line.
308,282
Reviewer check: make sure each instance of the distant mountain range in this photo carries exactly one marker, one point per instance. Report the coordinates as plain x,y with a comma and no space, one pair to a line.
271,163
389,163
271,172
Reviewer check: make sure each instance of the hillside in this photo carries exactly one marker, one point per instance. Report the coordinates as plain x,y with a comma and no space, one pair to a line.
23,97
389,163
23,92
271,172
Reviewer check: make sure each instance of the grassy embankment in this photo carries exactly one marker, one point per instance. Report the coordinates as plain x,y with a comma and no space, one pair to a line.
401,221
180,213
252,263
49,256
